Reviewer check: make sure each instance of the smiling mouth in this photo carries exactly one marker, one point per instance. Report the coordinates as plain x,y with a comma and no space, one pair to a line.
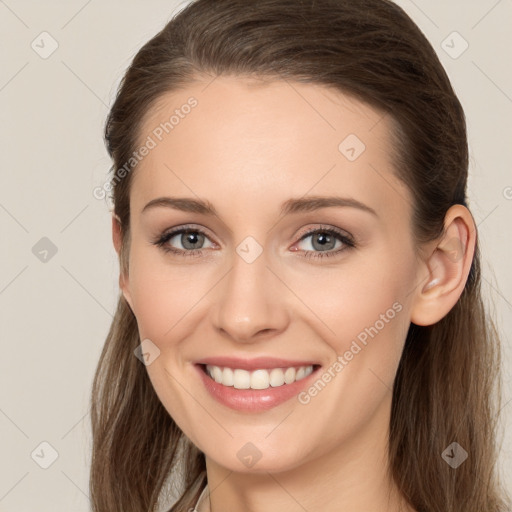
258,379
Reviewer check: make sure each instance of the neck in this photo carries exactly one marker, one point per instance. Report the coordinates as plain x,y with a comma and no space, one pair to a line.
353,477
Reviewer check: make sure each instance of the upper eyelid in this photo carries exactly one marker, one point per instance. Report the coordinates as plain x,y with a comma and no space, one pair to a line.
187,227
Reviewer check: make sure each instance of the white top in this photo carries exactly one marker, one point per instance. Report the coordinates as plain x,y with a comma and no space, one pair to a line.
203,503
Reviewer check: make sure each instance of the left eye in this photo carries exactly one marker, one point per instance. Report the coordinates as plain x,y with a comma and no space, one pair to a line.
321,241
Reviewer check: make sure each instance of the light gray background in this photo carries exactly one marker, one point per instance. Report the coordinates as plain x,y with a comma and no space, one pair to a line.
55,314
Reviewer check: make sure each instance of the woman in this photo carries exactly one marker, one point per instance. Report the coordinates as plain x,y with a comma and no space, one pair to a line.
300,325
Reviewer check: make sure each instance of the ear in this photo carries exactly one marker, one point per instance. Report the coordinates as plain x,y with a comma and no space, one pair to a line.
446,267
117,239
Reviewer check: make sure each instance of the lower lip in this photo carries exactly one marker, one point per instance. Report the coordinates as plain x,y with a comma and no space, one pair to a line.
253,400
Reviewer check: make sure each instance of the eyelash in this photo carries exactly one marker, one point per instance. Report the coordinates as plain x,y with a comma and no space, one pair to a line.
348,242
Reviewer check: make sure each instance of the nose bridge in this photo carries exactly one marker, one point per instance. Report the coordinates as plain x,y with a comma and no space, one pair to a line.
248,302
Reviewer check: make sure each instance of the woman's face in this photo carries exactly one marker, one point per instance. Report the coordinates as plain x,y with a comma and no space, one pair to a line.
273,274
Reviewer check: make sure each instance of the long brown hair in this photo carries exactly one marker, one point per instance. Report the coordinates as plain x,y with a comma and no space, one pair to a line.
447,387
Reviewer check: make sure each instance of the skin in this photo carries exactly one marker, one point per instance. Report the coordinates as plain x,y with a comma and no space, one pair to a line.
247,147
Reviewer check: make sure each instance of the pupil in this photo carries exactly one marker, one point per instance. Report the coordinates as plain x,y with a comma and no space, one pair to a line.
322,240
191,239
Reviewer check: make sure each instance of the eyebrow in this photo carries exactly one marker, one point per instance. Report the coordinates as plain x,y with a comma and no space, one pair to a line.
291,206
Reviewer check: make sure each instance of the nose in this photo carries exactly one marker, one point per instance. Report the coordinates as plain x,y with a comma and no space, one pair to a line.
251,301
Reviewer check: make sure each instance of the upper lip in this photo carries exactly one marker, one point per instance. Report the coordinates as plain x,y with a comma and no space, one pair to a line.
256,363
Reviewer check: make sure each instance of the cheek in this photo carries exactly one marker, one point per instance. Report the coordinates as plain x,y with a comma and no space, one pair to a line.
163,299
367,320
162,295
362,311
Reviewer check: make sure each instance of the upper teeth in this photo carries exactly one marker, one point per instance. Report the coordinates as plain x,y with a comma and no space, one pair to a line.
258,379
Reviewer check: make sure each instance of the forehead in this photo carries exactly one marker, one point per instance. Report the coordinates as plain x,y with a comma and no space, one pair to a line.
249,140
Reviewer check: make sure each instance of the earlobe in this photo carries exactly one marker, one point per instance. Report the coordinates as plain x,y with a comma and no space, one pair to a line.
123,286
116,233
446,268
117,240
